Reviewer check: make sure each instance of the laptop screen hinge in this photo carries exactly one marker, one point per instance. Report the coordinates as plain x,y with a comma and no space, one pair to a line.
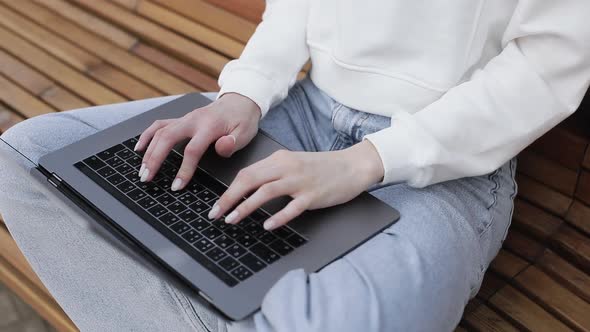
54,180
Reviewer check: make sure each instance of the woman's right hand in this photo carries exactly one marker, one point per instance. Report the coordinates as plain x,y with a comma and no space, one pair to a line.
231,122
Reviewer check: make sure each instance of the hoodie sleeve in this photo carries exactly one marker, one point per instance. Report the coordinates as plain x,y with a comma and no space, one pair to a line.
273,56
537,81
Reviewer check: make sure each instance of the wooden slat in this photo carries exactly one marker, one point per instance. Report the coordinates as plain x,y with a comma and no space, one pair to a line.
38,84
586,163
566,274
41,303
523,311
108,51
490,285
96,25
202,34
124,84
178,68
485,319
583,190
249,9
21,100
507,264
8,118
548,172
534,221
573,245
67,76
206,59
579,216
523,245
543,196
223,21
129,4
561,146
555,298
77,57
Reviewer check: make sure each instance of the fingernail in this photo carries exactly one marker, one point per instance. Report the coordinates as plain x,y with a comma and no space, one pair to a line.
269,224
136,145
176,184
233,137
141,169
231,217
145,175
214,211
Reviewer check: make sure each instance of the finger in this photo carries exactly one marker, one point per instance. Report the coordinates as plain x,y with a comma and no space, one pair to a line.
226,145
159,148
265,193
247,180
296,207
148,134
193,152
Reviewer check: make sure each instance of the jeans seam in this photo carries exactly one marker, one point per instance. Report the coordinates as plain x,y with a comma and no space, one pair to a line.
186,305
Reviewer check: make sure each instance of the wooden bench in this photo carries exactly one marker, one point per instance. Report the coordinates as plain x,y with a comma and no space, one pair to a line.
57,55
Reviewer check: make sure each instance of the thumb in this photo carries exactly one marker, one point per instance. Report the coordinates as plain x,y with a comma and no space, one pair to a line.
228,144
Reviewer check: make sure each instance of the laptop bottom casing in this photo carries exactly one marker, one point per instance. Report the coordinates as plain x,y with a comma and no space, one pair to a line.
330,232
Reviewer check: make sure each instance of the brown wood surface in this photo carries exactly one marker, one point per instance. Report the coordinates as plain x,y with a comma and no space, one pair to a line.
57,55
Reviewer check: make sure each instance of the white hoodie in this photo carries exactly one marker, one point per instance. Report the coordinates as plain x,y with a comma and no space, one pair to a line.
467,83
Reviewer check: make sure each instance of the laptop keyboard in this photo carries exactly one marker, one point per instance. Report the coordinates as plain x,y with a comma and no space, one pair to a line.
233,253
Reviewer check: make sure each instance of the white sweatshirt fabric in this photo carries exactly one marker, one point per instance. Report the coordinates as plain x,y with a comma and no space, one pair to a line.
467,83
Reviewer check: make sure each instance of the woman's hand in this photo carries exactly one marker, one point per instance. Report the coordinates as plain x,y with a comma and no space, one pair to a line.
231,122
313,179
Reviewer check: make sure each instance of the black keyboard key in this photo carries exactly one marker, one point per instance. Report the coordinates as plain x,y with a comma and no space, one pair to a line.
241,273
252,262
203,245
215,254
281,247
124,169
199,207
180,227
144,185
187,199
136,194
169,219
234,231
259,215
224,241
116,179
126,186
164,182
177,207
130,143
146,202
132,177
125,154
188,215
267,237
169,170
264,253
220,224
166,199
94,162
206,196
295,240
246,240
191,236
135,161
154,191
228,263
110,152
211,232
174,158
235,250
283,232
254,228
106,171
200,223
158,211
114,162
194,188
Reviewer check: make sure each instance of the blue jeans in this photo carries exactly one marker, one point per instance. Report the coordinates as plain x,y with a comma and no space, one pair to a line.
416,275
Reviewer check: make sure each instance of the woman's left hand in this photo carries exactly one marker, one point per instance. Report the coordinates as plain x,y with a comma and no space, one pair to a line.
313,180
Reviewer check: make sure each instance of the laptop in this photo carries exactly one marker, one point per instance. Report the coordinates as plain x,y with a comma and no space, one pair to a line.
231,267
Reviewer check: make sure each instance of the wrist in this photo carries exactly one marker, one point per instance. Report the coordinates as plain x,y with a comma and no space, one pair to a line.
236,100
366,162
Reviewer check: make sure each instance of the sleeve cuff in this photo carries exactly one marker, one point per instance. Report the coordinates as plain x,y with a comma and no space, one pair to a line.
404,149
248,82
